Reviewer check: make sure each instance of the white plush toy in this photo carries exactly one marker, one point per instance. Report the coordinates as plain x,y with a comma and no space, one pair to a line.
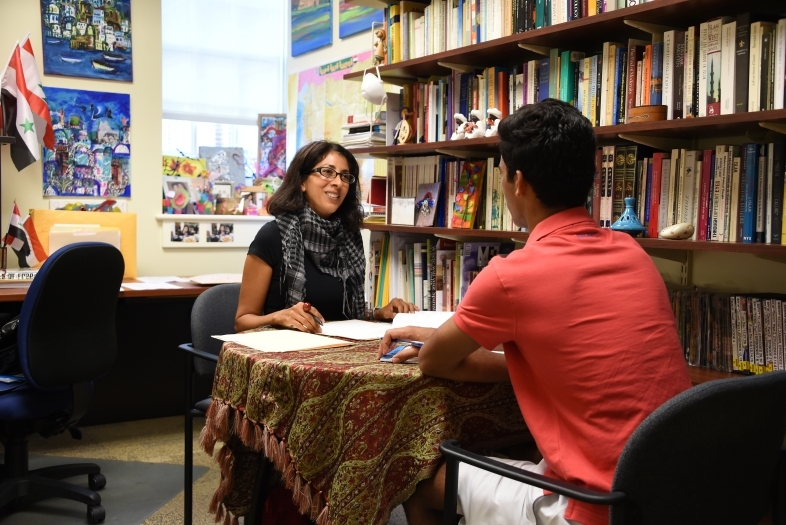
461,123
683,230
475,128
493,121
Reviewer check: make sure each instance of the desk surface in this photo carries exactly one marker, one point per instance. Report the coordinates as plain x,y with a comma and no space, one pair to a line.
9,295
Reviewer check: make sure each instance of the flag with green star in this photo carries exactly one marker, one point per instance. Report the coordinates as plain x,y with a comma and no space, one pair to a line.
19,119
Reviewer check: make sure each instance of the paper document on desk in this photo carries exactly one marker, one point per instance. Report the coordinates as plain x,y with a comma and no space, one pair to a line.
281,340
355,329
424,319
150,286
217,278
163,279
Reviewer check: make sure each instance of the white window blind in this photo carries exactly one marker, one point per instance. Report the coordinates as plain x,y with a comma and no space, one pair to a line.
223,60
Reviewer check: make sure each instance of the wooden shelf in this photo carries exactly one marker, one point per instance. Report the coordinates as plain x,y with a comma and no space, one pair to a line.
704,375
584,34
655,244
7,140
739,124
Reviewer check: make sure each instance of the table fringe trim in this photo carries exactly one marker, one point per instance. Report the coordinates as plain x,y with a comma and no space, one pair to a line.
258,438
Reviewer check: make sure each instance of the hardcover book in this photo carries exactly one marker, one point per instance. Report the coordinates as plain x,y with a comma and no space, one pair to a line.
465,205
713,67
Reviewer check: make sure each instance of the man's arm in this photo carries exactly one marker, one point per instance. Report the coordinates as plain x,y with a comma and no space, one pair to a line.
452,354
449,353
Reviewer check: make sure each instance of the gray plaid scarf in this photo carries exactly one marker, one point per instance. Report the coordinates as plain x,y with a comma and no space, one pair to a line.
333,250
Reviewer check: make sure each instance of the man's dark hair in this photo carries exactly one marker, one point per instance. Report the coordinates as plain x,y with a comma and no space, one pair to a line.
290,198
553,146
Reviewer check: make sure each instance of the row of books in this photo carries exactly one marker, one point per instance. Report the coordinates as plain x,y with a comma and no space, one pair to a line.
730,332
729,193
415,29
723,66
434,274
466,193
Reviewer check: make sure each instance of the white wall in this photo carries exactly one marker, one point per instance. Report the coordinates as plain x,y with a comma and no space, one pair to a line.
17,17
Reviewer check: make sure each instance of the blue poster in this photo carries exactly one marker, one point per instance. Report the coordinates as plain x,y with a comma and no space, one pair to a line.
92,155
312,25
89,39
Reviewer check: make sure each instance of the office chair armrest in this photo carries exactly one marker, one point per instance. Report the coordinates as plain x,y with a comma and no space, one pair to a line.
452,451
189,348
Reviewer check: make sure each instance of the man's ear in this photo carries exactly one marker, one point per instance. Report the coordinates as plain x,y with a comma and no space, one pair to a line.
520,184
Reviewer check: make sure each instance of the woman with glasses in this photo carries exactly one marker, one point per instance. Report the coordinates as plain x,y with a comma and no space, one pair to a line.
308,266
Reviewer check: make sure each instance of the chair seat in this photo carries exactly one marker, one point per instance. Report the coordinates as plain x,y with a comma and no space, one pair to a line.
204,404
19,401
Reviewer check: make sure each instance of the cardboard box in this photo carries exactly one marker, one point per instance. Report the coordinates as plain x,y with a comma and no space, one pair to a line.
44,220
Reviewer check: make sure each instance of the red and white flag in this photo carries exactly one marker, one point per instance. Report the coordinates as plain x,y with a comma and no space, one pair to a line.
22,238
25,114
37,99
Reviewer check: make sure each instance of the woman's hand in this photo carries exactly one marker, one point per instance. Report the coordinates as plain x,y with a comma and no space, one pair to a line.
297,318
389,311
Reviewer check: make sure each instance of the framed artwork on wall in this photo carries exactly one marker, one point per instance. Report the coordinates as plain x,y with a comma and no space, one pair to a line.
89,39
92,155
354,19
312,25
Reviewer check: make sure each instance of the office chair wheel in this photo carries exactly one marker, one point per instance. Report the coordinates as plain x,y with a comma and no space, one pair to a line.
96,481
95,514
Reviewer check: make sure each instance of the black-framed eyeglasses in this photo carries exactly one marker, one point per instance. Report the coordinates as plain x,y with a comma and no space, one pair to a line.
329,173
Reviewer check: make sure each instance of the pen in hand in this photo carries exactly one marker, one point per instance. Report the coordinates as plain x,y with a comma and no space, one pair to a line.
307,309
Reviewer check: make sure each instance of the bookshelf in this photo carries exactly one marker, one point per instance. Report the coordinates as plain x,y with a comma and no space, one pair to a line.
587,34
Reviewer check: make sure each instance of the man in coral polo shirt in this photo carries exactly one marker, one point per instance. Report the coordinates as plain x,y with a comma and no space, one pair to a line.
590,340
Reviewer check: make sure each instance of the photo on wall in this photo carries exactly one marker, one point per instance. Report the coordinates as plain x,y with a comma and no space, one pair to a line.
184,232
88,39
312,25
354,19
92,155
221,232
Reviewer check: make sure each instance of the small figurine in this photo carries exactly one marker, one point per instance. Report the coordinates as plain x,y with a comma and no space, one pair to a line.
380,46
477,128
461,123
492,120
404,133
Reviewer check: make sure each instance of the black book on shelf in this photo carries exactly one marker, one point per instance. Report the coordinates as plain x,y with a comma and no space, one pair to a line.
742,62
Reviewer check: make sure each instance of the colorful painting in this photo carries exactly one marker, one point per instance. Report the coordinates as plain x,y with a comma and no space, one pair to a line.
187,195
272,161
89,38
312,25
354,19
92,155
225,163
172,166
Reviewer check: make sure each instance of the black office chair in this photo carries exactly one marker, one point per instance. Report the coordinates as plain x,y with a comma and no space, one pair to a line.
213,314
710,455
66,338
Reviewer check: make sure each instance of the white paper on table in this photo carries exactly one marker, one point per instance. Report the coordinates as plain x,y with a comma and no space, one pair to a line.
281,340
355,329
150,286
424,319
217,278
163,279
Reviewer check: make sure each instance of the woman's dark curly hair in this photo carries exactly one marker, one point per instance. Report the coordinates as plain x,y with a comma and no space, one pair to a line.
290,198
553,146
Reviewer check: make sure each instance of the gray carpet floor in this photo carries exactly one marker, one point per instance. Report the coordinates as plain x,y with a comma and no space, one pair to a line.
134,491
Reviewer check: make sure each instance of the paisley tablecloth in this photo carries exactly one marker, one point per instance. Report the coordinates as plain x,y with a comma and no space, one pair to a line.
350,435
